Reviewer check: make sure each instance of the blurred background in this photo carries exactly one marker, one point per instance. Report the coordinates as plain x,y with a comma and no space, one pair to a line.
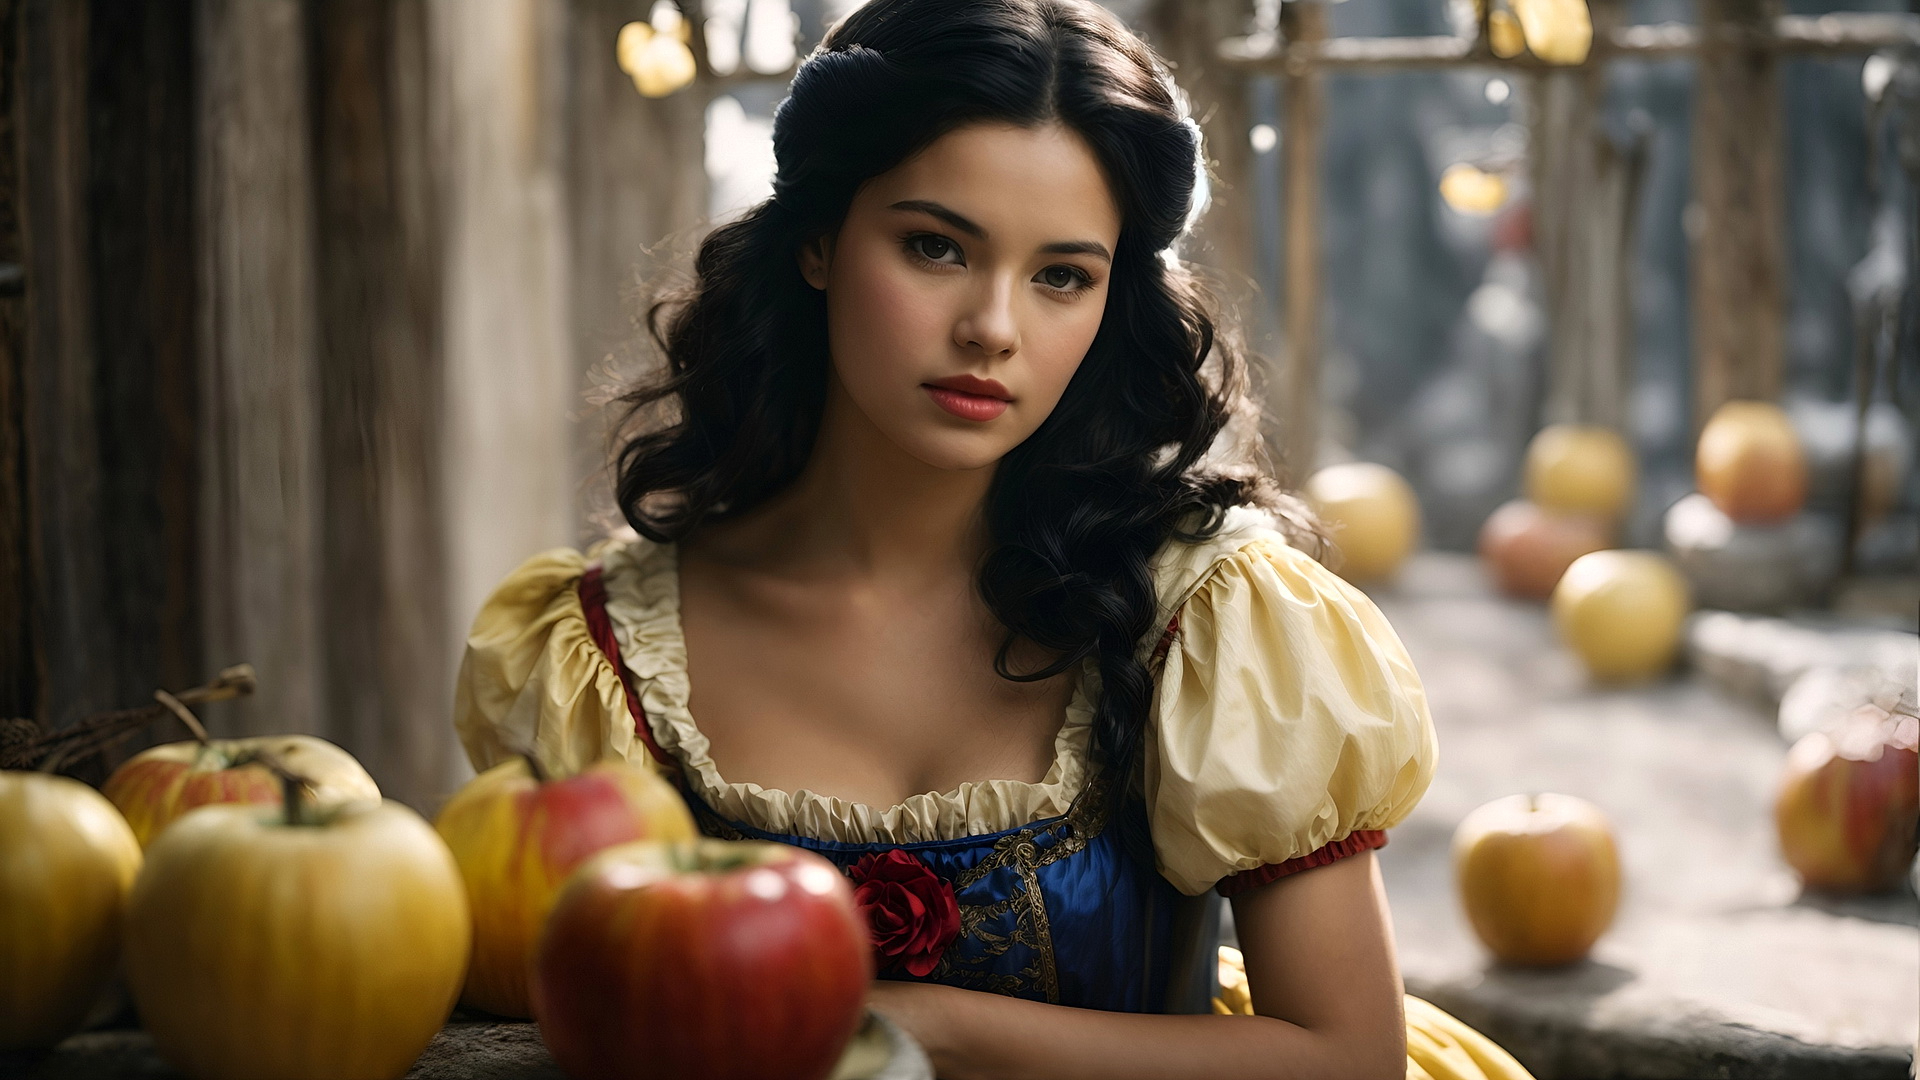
313,314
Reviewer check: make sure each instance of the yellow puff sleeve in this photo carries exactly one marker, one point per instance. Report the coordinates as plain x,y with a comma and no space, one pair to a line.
532,677
1287,718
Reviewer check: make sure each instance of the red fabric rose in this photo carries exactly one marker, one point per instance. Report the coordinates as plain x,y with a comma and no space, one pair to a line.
910,912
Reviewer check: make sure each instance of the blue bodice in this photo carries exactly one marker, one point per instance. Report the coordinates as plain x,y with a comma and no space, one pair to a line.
1056,910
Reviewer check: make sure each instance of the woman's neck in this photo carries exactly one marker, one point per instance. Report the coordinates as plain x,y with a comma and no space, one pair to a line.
864,507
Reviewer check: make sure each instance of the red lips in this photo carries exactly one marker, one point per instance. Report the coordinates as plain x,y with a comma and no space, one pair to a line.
968,397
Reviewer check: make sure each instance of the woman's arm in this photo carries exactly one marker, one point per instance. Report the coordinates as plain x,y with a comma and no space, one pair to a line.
1320,960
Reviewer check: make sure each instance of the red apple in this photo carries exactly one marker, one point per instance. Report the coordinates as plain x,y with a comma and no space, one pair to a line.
517,836
159,784
1528,547
1849,802
713,960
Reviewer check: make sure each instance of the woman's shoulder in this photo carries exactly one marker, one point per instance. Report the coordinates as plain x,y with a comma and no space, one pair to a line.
1287,717
1184,566
533,675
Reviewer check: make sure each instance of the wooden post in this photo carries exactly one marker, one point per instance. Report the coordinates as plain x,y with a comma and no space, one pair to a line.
100,491
58,385
1738,261
388,634
637,191
1302,99
1188,33
498,82
261,479
19,648
1584,195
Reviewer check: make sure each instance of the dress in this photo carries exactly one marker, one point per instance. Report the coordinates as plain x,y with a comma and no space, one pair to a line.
1289,729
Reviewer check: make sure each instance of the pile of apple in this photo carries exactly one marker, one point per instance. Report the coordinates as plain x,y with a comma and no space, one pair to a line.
283,921
1620,611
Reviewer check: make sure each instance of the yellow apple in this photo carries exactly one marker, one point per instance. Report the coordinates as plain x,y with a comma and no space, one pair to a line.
1622,612
161,783
1539,877
66,863
1372,514
294,943
517,837
1581,469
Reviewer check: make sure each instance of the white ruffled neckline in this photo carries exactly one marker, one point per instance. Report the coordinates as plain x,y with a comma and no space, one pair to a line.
642,580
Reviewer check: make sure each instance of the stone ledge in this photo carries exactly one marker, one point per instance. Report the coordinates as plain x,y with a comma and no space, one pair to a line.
1717,965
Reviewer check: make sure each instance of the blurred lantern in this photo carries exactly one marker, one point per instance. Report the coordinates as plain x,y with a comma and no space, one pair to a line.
655,54
1372,513
1556,31
1469,189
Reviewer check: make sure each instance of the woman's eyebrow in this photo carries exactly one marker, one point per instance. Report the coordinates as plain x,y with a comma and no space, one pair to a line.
934,209
1058,247
1079,247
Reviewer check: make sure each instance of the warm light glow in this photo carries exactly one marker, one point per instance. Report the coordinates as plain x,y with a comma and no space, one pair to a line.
657,60
1557,31
1469,189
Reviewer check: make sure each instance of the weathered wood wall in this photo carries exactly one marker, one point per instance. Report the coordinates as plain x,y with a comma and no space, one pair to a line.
386,624
638,191
297,373
259,371
98,489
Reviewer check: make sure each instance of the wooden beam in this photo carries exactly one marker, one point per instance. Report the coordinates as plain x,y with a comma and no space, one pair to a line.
1737,267
58,385
1187,33
145,328
1839,33
389,637
498,74
1303,105
1585,191
19,652
260,487
637,206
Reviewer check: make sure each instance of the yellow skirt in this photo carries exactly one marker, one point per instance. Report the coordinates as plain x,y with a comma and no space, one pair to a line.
1439,1047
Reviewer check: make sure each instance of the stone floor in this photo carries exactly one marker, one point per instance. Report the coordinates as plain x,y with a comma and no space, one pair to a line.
1715,966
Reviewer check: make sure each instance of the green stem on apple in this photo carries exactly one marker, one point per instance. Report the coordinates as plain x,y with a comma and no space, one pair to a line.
293,786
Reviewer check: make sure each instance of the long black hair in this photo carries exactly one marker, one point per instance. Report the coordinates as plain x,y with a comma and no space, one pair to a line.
1077,511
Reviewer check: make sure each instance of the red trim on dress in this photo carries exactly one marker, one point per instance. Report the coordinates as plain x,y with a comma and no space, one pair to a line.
1352,844
593,601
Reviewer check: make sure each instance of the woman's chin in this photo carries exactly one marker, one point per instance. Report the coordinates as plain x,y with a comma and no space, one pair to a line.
954,451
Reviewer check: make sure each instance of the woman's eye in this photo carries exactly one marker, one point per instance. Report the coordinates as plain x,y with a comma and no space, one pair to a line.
935,249
1063,277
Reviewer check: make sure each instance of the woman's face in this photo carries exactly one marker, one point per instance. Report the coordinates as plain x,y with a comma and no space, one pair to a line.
965,286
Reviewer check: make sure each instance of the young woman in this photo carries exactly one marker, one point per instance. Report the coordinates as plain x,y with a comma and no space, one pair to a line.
946,544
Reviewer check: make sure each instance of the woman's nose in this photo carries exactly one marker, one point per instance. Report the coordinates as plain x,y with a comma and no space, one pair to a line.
989,324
